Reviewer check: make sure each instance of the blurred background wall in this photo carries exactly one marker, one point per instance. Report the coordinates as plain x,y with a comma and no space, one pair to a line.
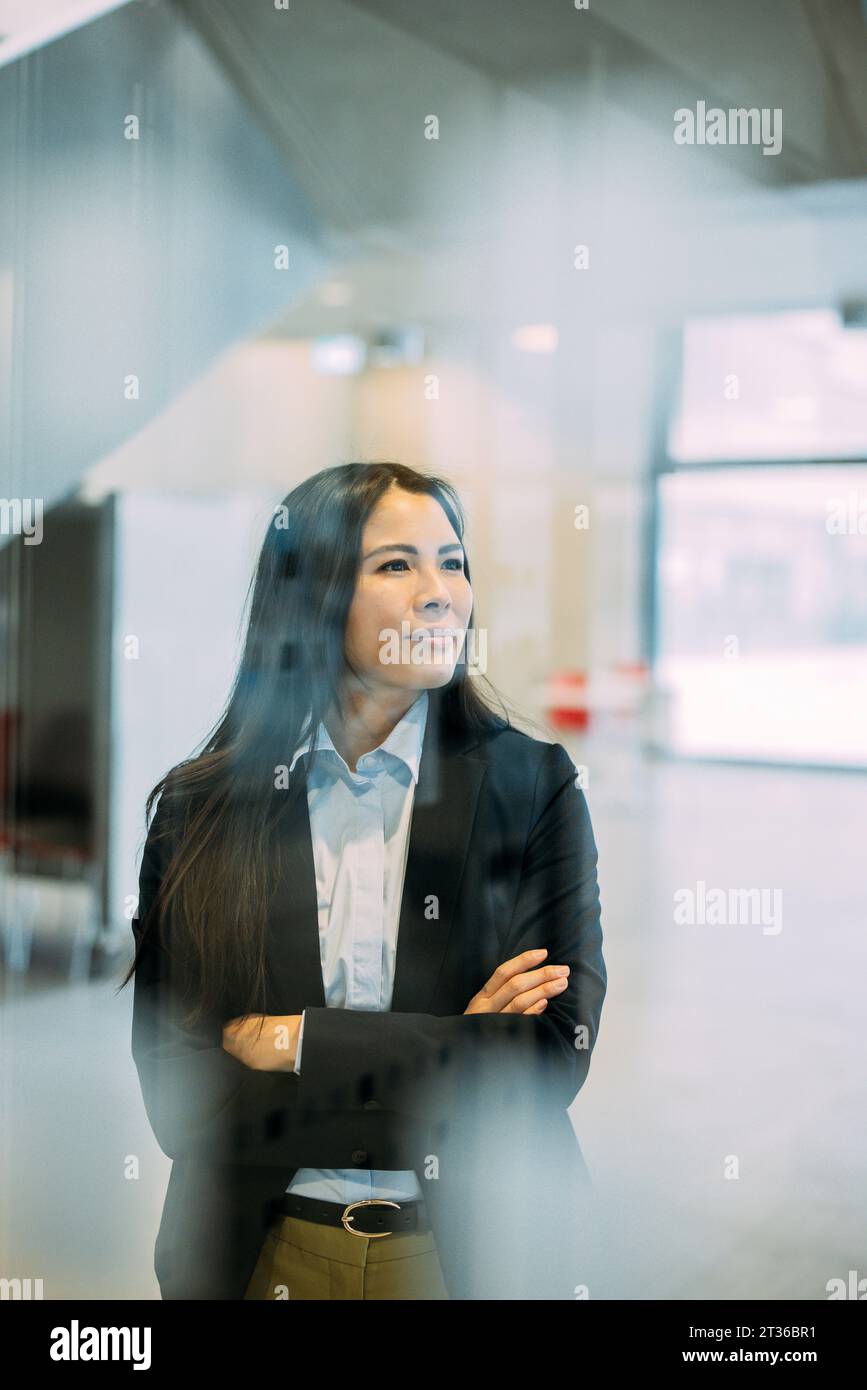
242,242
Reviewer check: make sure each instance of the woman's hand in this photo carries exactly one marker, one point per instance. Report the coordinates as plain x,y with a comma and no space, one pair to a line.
265,1042
516,988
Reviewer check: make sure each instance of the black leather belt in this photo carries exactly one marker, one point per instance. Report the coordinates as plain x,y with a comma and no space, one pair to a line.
371,1217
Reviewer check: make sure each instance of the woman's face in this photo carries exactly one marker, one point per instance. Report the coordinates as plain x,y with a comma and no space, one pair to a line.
410,580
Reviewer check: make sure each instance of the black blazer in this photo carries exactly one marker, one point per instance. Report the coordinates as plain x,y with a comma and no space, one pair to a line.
501,858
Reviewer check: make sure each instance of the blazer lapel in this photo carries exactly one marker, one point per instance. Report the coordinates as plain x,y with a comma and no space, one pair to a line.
294,966
443,813
444,809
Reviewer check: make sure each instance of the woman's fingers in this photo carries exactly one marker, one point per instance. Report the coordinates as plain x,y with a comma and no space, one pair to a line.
523,1000
519,973
520,978
537,984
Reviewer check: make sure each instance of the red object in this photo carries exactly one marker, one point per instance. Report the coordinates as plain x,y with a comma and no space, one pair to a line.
574,715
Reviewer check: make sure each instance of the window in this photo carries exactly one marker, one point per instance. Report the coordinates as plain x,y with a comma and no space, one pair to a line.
761,568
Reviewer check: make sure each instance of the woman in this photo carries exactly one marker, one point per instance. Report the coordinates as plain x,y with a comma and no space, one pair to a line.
369,972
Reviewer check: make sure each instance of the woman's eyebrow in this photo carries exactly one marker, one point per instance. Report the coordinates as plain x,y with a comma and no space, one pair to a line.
411,549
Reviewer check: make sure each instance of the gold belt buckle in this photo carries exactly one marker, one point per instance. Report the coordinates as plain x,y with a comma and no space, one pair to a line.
367,1202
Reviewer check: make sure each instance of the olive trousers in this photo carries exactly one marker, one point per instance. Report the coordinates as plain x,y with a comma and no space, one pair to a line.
303,1259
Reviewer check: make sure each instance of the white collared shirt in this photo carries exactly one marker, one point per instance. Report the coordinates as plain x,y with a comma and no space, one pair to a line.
360,828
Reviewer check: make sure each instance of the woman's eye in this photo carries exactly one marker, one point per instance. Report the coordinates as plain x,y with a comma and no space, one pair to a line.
454,561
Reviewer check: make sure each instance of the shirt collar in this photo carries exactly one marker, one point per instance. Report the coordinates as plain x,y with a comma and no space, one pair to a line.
404,742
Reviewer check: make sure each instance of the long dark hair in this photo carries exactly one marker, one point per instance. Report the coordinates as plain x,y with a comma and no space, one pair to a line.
220,803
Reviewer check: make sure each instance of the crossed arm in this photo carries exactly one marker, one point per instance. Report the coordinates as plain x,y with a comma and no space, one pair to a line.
272,1042
208,1094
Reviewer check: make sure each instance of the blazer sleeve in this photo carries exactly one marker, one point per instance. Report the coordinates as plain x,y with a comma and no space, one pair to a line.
200,1100
412,1063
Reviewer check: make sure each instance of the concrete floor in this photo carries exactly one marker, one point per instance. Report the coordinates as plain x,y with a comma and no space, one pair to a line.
716,1042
